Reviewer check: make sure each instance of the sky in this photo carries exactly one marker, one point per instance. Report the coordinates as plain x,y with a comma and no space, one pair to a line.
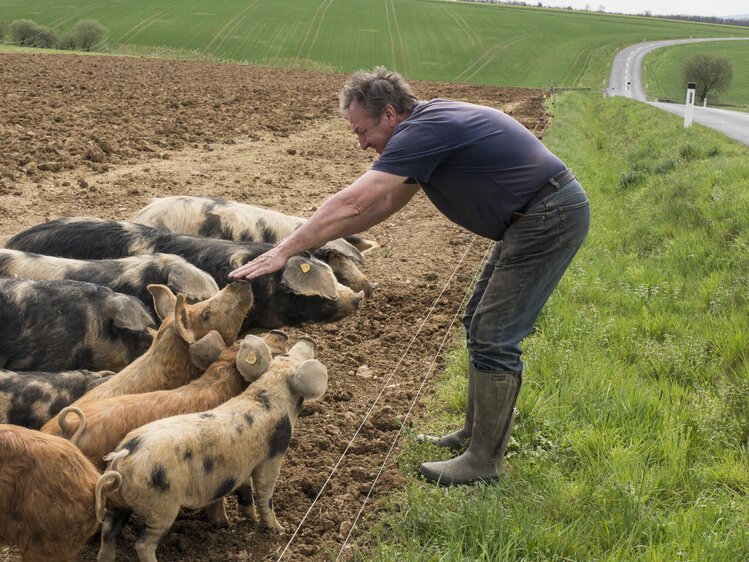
719,8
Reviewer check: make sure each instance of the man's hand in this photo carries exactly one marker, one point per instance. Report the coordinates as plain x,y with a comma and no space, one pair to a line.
270,261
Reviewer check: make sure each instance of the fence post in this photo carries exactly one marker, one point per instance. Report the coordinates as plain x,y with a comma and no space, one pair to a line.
689,108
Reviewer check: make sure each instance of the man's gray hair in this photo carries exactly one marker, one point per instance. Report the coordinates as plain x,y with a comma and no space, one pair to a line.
376,89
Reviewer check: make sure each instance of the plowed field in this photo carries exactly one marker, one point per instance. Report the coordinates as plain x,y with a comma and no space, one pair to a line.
102,136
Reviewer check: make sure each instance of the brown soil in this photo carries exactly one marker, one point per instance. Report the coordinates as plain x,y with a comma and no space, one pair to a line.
96,136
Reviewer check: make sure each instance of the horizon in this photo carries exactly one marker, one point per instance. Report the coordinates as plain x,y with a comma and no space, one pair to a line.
717,8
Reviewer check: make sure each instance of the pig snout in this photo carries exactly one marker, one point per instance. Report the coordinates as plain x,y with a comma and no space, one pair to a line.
370,289
358,300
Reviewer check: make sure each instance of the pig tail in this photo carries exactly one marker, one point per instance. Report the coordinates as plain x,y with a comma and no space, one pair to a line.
65,426
106,484
115,457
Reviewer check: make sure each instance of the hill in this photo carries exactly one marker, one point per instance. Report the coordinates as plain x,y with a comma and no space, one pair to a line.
422,39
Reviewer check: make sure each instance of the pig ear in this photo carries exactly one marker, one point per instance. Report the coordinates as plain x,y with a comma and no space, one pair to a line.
341,248
163,300
103,377
188,279
239,258
362,244
307,277
254,358
310,380
303,349
180,320
206,350
128,317
277,341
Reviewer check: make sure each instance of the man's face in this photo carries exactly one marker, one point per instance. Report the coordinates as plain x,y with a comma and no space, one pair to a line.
372,133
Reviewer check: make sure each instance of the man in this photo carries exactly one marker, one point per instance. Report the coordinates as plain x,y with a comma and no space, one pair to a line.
489,174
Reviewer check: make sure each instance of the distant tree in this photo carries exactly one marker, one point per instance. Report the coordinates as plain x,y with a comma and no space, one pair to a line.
89,34
711,73
3,29
30,34
47,38
67,42
24,32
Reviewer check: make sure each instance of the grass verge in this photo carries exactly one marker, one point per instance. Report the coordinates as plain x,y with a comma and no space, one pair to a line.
631,438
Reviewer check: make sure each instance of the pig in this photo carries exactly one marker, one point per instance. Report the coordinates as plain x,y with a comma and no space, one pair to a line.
47,485
31,398
306,290
129,276
215,217
195,460
189,339
62,325
108,420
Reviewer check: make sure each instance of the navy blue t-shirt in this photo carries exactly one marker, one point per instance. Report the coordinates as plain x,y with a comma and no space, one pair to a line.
475,163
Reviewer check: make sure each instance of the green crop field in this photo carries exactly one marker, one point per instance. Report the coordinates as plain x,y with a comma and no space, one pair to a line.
662,71
422,39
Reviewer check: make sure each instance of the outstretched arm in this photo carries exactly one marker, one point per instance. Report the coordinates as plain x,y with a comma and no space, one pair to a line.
372,198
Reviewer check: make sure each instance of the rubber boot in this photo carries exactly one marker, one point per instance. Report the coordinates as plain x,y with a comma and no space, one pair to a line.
457,440
494,412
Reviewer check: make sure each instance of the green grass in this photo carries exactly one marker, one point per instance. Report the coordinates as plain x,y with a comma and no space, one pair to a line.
631,441
422,39
662,71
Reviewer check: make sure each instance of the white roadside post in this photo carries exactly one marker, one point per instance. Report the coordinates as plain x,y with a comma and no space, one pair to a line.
689,109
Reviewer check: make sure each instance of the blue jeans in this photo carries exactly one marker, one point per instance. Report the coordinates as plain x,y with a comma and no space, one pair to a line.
524,268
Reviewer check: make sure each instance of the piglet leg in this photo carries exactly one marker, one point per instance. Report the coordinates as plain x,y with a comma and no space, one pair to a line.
264,480
155,527
246,502
110,532
217,513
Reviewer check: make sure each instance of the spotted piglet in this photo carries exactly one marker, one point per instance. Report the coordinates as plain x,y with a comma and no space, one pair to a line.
194,460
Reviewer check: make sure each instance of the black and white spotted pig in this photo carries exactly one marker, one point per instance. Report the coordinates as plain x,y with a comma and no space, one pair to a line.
195,460
30,398
215,217
306,290
62,325
129,276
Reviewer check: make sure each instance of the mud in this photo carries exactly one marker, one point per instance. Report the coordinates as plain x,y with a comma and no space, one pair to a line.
102,136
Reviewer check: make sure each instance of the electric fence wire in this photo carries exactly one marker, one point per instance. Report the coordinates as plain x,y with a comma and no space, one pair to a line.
415,399
375,401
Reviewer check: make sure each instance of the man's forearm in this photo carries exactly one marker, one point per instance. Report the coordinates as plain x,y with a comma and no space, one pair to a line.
366,202
336,217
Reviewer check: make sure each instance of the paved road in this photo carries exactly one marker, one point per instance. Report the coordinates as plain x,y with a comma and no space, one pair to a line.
626,80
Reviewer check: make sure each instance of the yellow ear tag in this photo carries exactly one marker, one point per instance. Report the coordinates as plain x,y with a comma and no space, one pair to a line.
304,267
251,358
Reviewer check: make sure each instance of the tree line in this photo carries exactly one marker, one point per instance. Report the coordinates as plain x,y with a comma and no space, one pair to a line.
647,13
86,35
